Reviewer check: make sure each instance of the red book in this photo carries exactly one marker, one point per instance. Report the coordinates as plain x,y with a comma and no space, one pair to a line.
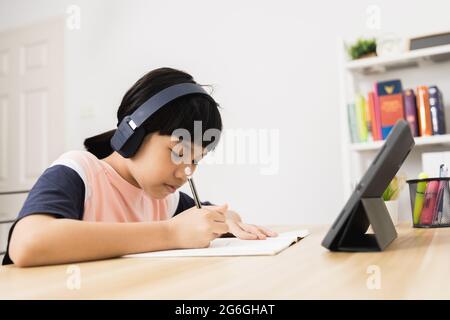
371,109
376,109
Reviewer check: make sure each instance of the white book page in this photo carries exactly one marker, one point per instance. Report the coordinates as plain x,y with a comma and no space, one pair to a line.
233,247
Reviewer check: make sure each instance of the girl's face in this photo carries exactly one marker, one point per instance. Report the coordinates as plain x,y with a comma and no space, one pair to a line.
159,166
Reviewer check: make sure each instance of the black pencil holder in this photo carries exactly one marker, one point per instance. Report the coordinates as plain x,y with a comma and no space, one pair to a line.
430,202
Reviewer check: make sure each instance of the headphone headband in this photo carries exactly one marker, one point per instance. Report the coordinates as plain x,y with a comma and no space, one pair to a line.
129,133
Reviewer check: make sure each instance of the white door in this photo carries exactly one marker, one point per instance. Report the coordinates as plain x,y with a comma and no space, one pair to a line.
31,107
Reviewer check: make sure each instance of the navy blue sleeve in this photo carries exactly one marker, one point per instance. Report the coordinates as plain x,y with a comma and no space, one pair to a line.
59,192
187,202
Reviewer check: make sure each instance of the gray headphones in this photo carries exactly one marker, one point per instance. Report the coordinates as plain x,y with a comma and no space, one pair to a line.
130,133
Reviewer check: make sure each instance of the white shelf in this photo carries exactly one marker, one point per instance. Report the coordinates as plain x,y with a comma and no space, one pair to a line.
406,59
420,141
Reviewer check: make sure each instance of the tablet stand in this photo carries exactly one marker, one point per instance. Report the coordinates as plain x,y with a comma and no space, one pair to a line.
368,212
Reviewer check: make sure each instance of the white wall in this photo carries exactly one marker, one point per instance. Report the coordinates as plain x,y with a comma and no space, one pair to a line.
273,64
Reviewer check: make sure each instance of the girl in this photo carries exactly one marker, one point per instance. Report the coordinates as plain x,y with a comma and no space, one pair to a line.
77,208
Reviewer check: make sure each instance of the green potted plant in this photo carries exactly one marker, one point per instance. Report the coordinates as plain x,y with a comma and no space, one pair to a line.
391,194
363,48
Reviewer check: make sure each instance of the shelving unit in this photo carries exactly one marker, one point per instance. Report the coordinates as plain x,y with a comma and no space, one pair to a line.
405,60
419,67
443,140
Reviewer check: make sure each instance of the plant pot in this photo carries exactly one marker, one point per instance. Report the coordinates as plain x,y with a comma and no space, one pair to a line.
368,55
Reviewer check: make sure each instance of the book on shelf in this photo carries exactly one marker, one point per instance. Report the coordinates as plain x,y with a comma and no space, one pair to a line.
351,112
390,102
409,99
361,119
436,110
368,119
423,110
372,117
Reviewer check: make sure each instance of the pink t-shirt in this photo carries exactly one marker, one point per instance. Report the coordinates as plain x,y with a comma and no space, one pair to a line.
109,197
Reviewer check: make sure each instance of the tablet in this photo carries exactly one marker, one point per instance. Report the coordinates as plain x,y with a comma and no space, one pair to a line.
365,206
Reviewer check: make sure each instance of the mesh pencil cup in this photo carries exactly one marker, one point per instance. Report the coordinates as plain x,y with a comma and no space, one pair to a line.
430,202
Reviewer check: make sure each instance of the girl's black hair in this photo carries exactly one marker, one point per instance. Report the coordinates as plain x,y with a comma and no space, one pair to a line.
177,114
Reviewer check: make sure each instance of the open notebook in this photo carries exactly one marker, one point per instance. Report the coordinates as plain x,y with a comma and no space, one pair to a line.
233,247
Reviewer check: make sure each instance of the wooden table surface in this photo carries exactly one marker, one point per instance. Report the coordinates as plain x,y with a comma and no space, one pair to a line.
415,266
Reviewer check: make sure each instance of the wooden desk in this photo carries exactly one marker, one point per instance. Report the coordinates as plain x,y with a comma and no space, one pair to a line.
415,266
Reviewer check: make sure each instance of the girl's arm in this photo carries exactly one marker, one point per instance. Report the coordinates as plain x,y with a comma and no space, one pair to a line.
41,239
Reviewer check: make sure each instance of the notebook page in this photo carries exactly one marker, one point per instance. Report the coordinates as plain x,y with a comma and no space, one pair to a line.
233,247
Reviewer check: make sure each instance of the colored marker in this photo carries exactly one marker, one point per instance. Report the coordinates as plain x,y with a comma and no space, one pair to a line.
429,205
420,193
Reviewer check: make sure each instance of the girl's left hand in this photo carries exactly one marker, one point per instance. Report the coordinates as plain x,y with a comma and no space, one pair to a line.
248,231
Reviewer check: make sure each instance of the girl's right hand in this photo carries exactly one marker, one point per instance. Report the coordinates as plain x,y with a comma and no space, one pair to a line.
196,228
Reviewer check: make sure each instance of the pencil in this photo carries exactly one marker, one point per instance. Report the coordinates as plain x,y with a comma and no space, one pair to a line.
194,192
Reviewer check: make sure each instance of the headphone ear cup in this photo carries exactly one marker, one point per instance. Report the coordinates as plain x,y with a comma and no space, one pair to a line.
130,148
